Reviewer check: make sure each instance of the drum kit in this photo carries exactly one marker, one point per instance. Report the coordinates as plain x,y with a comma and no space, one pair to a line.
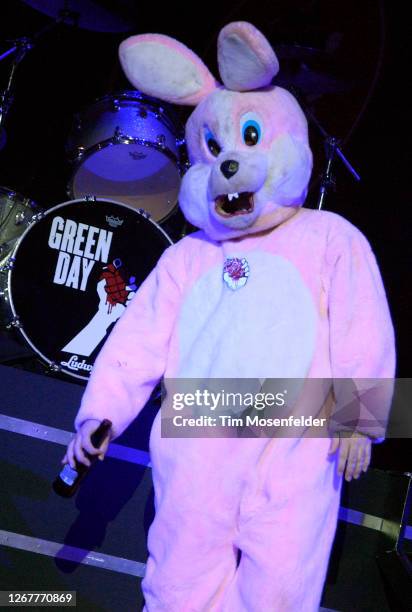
77,265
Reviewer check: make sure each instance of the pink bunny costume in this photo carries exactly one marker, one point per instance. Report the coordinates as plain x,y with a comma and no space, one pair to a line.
265,289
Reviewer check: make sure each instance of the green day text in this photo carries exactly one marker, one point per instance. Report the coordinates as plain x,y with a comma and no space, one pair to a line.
79,246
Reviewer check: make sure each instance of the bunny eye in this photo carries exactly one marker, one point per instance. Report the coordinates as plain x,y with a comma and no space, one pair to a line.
251,132
212,143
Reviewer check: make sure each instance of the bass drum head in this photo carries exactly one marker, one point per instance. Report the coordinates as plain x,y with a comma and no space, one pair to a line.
141,176
74,273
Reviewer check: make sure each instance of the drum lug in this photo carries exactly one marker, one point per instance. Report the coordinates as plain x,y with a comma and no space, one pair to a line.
8,265
118,135
53,367
14,323
80,153
4,295
37,217
19,218
115,106
161,140
144,213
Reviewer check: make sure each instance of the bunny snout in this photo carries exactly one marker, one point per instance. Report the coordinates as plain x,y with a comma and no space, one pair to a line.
234,179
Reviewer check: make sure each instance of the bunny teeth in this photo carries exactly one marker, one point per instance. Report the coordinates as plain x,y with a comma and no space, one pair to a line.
233,204
232,195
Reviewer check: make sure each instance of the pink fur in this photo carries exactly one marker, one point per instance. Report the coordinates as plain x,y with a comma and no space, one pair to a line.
184,79
275,499
246,59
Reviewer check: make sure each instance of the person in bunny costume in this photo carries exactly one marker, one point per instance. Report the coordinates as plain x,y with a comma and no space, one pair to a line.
264,289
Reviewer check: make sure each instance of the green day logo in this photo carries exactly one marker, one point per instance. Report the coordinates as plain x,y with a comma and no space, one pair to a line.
79,246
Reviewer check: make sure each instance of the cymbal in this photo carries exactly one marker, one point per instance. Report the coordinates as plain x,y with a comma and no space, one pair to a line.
87,14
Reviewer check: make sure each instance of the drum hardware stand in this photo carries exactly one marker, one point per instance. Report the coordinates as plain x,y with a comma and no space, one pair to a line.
332,149
21,46
327,180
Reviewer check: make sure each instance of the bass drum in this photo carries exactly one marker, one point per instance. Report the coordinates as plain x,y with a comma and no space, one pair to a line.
128,147
71,276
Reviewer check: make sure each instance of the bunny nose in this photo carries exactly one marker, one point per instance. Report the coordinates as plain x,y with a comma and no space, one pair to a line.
229,168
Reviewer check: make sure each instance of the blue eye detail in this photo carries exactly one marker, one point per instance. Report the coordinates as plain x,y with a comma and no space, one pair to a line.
212,143
251,132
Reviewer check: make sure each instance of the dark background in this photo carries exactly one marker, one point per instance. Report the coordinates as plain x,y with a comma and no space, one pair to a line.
349,59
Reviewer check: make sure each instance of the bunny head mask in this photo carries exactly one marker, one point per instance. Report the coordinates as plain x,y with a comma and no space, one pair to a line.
247,139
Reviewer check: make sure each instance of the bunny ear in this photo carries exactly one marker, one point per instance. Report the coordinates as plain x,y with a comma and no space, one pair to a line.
246,59
161,67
